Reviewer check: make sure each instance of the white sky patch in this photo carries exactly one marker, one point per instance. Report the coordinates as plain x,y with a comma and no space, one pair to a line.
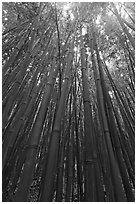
107,37
101,31
84,31
5,12
98,19
111,94
66,7
110,13
71,15
75,49
107,63
66,10
111,65
101,56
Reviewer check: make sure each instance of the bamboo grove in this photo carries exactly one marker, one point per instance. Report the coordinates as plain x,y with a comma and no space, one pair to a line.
68,111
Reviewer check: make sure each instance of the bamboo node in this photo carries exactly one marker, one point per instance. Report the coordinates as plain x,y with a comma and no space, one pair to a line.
17,82
90,161
56,130
124,28
17,48
24,102
22,118
83,68
86,100
82,48
67,78
97,79
49,83
34,146
105,131
11,130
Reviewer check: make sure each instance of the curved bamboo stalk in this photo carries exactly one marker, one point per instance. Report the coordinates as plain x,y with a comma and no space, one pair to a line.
123,26
120,194
52,154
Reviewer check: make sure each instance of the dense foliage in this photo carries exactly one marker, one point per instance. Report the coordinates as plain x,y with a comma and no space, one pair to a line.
68,101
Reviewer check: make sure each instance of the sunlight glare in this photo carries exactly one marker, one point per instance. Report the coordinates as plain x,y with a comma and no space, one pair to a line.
75,49
84,31
66,11
71,15
66,7
98,19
